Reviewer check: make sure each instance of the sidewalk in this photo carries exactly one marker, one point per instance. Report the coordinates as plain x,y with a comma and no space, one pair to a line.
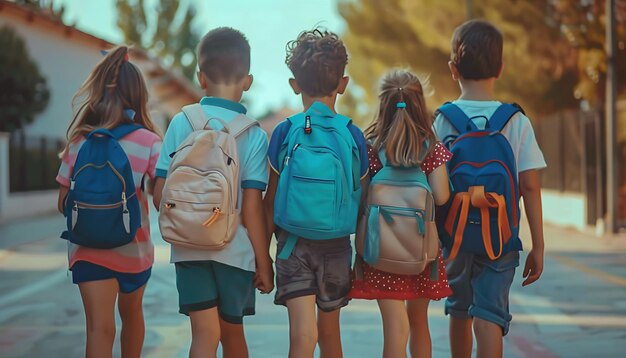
577,309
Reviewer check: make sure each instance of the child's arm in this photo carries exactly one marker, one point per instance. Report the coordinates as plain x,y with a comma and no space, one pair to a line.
253,218
159,183
530,190
438,181
62,193
268,203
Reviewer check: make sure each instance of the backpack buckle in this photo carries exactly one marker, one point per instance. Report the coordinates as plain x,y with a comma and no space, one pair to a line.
307,125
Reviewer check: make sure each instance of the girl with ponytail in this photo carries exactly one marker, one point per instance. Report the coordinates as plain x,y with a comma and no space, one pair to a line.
113,94
402,129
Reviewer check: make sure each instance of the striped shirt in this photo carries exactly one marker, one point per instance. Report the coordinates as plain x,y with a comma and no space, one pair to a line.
142,148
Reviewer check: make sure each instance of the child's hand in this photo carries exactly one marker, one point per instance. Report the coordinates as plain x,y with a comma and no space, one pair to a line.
264,278
533,267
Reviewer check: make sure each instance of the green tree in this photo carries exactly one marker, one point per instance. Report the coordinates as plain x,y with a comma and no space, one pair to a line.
167,31
540,69
23,89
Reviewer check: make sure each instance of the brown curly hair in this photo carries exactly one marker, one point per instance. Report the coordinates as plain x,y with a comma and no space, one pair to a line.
317,59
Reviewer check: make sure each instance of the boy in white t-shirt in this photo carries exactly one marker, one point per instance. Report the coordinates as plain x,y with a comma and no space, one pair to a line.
480,285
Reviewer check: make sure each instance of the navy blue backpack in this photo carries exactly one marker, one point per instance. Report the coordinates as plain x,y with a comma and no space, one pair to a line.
483,214
101,207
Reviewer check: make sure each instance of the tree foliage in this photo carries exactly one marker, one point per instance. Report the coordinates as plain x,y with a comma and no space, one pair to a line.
583,26
541,70
165,30
23,89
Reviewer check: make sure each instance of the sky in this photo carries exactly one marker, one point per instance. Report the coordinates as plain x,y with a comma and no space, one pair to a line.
268,25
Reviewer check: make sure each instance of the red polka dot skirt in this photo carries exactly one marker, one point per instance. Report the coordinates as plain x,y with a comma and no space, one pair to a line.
378,284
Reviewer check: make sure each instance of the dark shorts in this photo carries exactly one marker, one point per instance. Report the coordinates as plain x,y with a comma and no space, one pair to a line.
206,284
320,268
481,287
83,271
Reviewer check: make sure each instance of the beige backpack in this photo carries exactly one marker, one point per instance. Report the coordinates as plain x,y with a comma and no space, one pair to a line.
199,204
397,232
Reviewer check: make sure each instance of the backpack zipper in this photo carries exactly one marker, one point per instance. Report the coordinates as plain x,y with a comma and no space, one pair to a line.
100,167
83,205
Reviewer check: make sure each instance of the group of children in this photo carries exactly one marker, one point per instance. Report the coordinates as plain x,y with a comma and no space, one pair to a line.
217,287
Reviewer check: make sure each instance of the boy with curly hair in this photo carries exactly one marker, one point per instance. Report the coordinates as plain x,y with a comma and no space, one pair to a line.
314,270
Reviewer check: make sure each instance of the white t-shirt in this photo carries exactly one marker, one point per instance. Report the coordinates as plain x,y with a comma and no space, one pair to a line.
518,131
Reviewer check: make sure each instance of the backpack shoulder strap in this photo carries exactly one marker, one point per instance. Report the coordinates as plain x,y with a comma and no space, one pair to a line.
342,120
455,115
123,130
195,116
296,120
503,115
240,124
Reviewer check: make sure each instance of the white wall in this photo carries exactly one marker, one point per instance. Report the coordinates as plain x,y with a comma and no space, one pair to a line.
20,205
65,64
564,209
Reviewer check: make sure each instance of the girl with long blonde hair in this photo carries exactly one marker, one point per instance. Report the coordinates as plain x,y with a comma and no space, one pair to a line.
402,129
114,94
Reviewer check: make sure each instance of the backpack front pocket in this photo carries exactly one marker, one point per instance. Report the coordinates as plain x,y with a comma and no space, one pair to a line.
395,233
97,221
312,203
195,218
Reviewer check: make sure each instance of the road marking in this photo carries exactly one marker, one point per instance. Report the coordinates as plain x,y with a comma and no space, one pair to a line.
27,291
617,280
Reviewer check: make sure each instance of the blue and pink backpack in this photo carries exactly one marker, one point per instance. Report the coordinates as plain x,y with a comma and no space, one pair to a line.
483,214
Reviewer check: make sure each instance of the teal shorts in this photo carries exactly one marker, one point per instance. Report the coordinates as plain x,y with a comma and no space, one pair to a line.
206,284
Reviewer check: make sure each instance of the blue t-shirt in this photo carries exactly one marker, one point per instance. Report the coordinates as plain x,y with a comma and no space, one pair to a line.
252,150
317,109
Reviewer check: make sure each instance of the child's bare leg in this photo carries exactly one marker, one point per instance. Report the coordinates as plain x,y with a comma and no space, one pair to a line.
233,340
488,339
461,337
99,302
130,308
420,344
302,326
395,327
329,336
205,333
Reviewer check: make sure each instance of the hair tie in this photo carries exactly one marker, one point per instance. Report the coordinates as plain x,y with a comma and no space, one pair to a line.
401,105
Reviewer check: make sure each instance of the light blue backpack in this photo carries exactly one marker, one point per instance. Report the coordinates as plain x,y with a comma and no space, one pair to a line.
319,187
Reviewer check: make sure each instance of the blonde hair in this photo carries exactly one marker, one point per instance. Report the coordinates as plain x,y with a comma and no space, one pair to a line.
402,131
114,85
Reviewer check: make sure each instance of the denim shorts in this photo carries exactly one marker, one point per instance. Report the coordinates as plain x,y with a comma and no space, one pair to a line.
83,271
321,268
481,287
206,284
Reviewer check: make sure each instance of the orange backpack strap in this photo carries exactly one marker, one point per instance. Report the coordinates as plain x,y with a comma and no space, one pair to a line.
459,211
485,201
459,208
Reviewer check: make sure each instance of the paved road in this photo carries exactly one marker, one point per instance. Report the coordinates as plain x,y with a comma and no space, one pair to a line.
578,309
